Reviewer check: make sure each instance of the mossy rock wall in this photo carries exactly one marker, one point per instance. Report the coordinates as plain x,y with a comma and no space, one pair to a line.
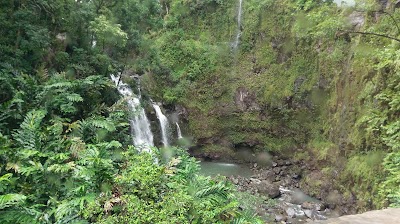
295,86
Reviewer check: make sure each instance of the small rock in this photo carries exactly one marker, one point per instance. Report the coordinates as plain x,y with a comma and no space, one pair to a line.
256,181
296,176
280,218
319,207
308,213
235,181
290,212
307,205
255,165
274,164
320,217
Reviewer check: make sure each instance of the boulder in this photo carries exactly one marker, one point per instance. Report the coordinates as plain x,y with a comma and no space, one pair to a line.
270,189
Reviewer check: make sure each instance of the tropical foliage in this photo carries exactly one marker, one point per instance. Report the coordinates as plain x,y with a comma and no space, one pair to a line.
307,75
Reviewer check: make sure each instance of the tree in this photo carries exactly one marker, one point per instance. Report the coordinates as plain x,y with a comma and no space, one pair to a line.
108,33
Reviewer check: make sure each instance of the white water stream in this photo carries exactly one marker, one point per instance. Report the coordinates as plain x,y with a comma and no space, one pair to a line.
178,131
239,25
140,125
164,124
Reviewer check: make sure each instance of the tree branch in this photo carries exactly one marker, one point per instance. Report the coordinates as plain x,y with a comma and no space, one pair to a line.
388,14
374,34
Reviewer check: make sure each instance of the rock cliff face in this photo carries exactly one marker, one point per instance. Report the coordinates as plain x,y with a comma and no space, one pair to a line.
246,101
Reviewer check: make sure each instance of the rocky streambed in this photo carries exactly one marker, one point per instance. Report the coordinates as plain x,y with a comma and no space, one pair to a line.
274,191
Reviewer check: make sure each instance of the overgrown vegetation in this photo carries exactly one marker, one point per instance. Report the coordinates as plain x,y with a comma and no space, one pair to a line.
309,78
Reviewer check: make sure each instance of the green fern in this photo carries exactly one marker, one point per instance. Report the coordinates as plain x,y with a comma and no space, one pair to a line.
29,134
9,200
20,216
219,189
247,217
68,210
74,97
5,180
103,123
59,85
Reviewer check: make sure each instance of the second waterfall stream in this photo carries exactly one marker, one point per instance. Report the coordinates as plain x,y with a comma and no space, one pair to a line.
164,124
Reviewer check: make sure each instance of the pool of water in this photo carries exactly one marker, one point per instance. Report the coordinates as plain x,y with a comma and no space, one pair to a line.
224,169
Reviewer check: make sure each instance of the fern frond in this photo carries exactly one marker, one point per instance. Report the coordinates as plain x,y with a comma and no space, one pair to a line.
60,85
77,146
74,97
62,168
42,73
35,167
68,108
20,216
219,190
5,178
109,145
9,200
103,123
29,134
69,210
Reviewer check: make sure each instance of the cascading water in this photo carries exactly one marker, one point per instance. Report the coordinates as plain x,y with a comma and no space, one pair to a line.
178,131
239,24
163,123
141,132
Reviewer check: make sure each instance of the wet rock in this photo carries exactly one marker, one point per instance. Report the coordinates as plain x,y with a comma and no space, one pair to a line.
265,187
291,213
308,213
319,217
319,207
296,176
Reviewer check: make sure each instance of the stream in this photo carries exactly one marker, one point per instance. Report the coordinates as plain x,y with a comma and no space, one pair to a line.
224,169
284,201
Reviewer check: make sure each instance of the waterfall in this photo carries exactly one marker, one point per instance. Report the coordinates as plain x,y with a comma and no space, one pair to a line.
163,123
239,24
178,130
140,125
